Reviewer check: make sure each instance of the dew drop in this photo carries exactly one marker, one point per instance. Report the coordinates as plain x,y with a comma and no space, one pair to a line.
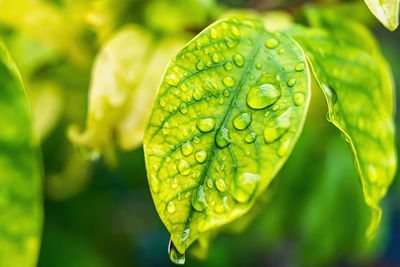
258,66
220,184
196,140
228,81
250,137
231,42
201,156
187,148
264,93
238,59
291,82
210,183
183,109
198,200
171,207
235,31
281,51
299,98
227,93
277,126
245,186
184,167
300,66
174,255
222,138
162,102
271,42
165,130
197,95
184,87
205,125
228,66
200,65
174,184
213,33
215,58
242,121
172,79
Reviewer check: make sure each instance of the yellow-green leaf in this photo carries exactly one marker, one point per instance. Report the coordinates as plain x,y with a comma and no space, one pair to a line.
20,175
125,78
226,117
386,11
358,87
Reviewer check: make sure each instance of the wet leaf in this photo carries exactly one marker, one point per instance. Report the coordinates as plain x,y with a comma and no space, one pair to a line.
358,87
125,77
20,177
386,11
223,123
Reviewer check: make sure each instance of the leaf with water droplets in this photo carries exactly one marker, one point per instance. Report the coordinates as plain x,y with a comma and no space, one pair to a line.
20,176
229,162
358,87
125,77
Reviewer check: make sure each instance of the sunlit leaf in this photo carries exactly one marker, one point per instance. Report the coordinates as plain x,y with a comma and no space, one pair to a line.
20,177
386,11
358,88
125,78
227,115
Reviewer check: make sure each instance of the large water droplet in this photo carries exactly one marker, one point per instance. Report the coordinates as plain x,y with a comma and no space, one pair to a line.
215,58
199,202
174,255
171,207
205,125
201,156
300,66
277,126
222,138
242,121
184,167
299,98
264,93
245,186
183,108
228,81
197,95
187,148
238,59
291,82
200,65
220,184
172,79
250,137
271,42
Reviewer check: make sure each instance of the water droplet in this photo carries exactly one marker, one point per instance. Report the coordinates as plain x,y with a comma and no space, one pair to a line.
187,148
299,98
196,140
154,184
300,66
231,42
228,66
197,95
235,31
215,58
213,33
220,184
183,109
171,207
264,93
271,42
165,129
228,81
174,184
200,65
291,82
198,200
162,102
238,60
227,93
222,138
205,125
174,255
168,159
283,147
172,79
210,183
201,156
245,186
184,87
277,126
281,51
242,121
275,107
250,137
184,167
258,66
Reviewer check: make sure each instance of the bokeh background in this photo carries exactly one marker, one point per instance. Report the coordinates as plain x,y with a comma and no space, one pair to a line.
100,213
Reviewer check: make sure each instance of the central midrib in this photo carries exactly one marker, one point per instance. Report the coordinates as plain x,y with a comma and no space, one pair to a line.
213,148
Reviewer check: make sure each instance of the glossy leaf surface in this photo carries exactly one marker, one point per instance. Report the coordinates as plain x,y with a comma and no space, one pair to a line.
386,11
227,115
20,177
358,87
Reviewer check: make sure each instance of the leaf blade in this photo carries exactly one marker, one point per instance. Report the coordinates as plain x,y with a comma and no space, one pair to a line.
219,98
386,11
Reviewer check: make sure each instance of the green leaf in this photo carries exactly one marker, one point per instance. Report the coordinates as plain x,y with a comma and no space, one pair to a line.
359,91
20,176
226,117
386,11
125,77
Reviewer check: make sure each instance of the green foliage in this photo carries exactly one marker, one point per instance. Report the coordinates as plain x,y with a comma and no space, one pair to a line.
20,176
386,11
